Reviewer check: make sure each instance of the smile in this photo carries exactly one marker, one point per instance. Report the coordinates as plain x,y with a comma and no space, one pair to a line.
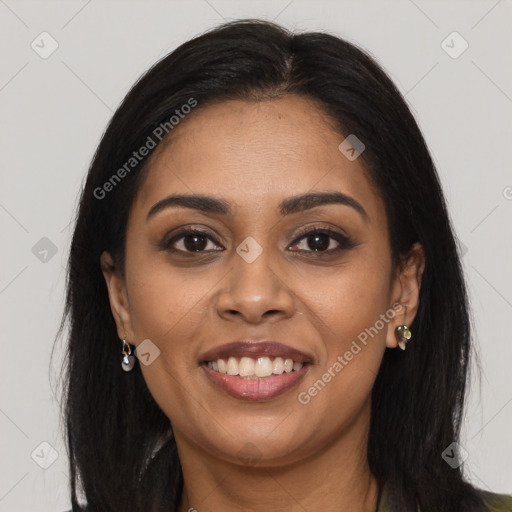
254,368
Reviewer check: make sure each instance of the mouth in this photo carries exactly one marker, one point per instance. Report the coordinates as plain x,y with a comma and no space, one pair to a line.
255,371
254,368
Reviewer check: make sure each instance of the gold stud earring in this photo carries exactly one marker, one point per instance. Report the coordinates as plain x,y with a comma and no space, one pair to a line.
403,335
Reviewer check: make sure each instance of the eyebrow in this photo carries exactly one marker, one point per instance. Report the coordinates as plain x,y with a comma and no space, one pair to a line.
288,206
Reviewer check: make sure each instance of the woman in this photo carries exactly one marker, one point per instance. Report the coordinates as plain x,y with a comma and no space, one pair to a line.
266,301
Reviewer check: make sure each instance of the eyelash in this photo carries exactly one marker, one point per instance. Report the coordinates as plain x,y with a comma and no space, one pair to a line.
344,242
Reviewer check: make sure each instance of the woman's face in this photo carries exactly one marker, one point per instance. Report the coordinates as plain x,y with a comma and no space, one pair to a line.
209,301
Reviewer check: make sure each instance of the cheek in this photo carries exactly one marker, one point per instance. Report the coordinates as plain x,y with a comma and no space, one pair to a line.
360,299
165,301
352,313
170,307
173,308
350,301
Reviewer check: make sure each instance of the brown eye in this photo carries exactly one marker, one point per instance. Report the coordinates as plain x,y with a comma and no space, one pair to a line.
323,241
189,241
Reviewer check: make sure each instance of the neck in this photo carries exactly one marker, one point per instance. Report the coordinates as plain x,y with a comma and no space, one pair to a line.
337,478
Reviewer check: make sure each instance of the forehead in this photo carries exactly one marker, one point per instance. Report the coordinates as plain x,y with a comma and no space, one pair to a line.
254,154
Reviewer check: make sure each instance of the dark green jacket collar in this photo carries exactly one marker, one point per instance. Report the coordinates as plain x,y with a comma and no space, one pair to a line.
494,502
383,500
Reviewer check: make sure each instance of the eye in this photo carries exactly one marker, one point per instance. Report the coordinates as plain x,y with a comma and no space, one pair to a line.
189,241
321,241
317,241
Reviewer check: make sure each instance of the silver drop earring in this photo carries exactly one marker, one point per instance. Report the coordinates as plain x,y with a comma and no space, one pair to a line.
127,359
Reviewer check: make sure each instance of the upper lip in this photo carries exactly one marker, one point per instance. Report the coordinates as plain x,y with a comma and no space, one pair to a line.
248,348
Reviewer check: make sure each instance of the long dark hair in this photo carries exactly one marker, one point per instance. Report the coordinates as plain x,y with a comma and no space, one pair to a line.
121,450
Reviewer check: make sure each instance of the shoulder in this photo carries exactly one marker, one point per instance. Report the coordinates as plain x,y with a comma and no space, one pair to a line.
497,502
494,502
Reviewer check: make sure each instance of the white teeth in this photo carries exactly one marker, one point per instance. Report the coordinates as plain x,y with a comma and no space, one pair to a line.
278,367
232,367
246,367
222,366
261,367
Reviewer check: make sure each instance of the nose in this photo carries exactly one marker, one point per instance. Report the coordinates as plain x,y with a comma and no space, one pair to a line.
255,292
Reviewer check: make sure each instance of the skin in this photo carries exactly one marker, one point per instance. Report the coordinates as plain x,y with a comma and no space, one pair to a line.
255,154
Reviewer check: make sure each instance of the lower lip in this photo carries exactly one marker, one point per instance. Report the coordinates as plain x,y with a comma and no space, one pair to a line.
256,390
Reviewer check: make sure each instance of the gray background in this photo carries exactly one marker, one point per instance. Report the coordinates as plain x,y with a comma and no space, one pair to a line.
54,111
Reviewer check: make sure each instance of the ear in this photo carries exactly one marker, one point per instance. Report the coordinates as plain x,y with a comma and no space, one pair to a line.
405,290
118,296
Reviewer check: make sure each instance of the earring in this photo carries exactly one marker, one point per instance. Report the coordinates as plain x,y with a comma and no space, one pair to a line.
127,360
403,335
